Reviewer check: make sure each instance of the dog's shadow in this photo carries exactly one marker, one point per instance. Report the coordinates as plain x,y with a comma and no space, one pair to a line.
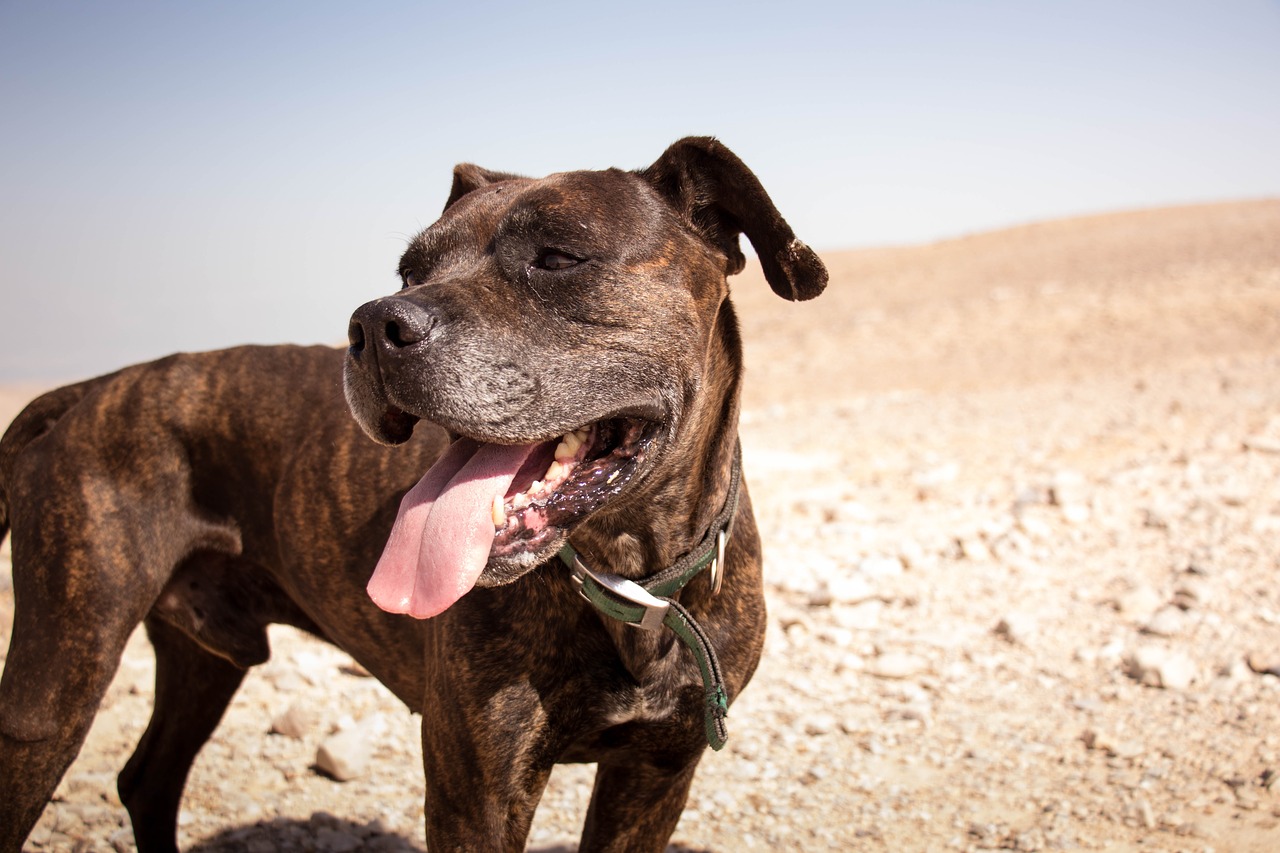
325,833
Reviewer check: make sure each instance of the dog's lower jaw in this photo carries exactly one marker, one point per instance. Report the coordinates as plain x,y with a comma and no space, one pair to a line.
503,570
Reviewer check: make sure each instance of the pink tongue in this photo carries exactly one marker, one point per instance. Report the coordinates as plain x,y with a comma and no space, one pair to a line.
443,533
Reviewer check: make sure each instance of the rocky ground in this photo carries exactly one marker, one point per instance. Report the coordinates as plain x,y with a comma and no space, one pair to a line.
1020,495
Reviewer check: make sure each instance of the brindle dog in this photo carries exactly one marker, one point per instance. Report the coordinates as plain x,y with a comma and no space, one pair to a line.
564,363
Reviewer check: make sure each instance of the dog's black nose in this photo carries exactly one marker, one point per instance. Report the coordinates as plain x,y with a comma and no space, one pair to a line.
389,323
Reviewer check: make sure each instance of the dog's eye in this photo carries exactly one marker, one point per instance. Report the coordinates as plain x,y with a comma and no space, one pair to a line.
550,259
408,279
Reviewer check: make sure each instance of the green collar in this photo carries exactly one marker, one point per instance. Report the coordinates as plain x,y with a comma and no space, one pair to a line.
648,603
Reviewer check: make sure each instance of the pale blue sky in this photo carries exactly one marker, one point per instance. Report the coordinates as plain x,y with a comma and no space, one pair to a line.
199,174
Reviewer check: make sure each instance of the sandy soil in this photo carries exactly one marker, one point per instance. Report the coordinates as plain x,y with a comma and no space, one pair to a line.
1021,500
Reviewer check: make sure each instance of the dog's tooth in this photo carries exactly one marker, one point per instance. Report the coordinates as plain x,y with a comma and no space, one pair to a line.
555,471
536,487
499,512
568,447
520,501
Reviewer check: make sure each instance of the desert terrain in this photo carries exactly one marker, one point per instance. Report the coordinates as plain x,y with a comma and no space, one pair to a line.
1020,494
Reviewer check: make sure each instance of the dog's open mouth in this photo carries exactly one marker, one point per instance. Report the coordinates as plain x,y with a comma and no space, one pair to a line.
563,481
502,508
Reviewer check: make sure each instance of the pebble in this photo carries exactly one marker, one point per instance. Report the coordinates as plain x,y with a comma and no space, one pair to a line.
851,590
859,617
1069,488
1016,628
1158,667
295,722
913,555
820,724
1111,745
354,667
345,754
1139,601
1035,527
1265,663
929,482
1146,813
1168,621
122,841
1192,591
1262,444
973,548
93,784
1076,513
881,567
897,665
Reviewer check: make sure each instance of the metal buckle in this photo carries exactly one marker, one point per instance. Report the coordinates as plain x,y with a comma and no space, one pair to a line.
717,564
655,609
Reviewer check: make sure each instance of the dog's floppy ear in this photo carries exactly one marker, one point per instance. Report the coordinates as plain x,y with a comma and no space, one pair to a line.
468,177
720,198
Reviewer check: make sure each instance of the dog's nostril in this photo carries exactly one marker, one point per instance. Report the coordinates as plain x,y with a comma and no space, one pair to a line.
396,336
355,335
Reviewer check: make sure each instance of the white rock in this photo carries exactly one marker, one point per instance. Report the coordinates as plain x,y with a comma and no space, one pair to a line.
1070,488
973,548
312,666
819,724
930,480
354,667
1157,667
912,554
1139,601
1076,513
1112,650
1193,591
1017,628
820,596
1034,527
880,567
898,665
1262,444
851,662
864,616
295,721
850,590
841,638
345,754
1168,621
122,841
1264,662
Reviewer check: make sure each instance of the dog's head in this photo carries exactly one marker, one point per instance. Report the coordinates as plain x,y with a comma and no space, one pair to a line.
562,329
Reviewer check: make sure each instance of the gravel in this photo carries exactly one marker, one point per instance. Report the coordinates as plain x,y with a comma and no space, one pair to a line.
1023,566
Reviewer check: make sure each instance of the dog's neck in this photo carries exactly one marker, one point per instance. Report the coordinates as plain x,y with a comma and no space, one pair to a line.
679,509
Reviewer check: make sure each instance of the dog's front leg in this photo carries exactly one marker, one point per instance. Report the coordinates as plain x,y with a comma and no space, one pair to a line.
484,768
635,806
